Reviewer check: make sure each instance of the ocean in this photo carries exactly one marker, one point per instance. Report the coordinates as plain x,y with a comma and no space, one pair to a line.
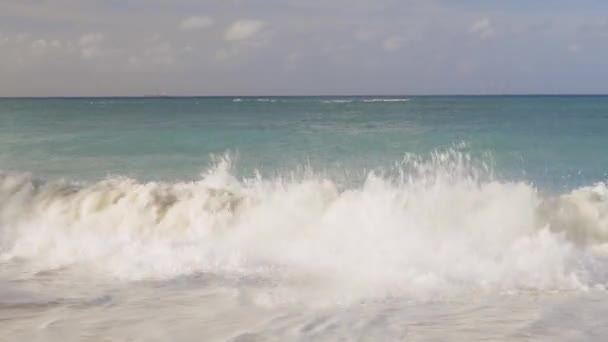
363,218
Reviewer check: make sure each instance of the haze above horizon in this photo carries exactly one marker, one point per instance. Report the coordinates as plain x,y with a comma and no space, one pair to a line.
131,48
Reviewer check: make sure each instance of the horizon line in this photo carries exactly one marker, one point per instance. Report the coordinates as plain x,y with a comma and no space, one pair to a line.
161,96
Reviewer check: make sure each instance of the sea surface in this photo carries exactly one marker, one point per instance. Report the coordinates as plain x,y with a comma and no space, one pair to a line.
371,218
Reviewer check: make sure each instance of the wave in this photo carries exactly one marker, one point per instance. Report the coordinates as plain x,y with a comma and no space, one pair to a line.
386,100
338,101
436,225
327,101
255,100
365,100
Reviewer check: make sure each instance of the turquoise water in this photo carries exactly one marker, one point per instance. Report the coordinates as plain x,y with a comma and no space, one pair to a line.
307,219
555,142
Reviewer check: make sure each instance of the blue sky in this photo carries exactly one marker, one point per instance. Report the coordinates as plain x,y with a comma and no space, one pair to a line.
272,47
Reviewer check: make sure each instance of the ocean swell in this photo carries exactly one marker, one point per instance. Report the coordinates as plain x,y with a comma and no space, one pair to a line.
435,225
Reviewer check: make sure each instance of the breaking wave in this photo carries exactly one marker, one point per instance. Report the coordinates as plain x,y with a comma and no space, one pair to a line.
339,101
366,100
386,100
433,225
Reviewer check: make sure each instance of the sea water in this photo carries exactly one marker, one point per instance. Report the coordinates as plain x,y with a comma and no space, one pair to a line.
373,218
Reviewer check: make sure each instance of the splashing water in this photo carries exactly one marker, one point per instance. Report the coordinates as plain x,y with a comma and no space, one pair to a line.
437,226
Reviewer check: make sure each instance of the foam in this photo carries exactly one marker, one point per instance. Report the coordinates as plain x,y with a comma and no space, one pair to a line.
386,100
436,225
338,101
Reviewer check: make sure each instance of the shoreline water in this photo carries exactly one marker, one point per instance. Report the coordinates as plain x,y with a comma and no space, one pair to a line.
451,218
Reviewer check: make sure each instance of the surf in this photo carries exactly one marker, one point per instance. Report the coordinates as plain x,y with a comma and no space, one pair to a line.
435,225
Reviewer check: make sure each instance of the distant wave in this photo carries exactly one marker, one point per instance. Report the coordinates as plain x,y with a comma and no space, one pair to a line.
327,101
365,100
386,100
440,224
104,102
338,101
255,100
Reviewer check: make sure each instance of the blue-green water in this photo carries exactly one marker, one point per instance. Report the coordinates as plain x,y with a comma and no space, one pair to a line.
306,219
552,141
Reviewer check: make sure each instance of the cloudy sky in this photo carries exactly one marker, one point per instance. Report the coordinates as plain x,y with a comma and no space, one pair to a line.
282,47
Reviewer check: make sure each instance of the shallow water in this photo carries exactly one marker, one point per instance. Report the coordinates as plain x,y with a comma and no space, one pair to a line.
448,218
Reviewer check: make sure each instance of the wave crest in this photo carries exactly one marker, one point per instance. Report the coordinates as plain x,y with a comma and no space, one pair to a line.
437,225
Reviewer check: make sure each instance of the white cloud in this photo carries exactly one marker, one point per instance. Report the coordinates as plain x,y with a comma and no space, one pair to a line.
90,45
39,44
91,39
243,29
482,28
195,23
90,52
392,43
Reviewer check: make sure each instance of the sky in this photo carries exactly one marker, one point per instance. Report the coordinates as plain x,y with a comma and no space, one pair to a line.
313,47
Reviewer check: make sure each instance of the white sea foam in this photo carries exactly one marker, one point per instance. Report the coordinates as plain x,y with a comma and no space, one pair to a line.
437,226
338,101
351,100
264,100
386,100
